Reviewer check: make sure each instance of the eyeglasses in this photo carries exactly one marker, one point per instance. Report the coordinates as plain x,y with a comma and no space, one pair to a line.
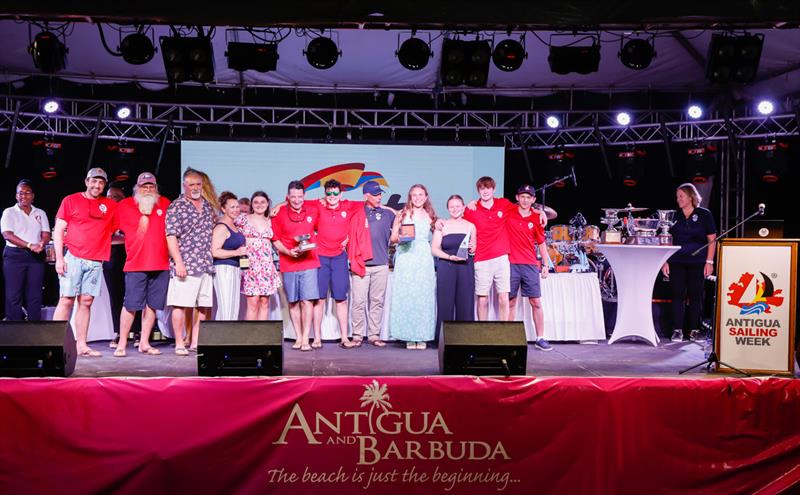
332,193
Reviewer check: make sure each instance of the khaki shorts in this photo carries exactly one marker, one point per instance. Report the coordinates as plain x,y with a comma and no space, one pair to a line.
495,271
191,292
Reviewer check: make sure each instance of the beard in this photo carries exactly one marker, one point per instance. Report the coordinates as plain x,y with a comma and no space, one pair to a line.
146,202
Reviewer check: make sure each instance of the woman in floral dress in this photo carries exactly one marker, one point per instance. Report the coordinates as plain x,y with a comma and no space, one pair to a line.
262,279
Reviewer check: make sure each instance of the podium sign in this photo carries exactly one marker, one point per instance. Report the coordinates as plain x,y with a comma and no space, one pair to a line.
756,293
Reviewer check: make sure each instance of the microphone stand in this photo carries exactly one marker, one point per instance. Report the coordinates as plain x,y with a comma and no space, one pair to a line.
712,356
558,180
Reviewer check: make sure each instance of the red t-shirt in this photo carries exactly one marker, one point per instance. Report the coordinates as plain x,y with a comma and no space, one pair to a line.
90,224
147,251
334,226
287,225
524,233
490,225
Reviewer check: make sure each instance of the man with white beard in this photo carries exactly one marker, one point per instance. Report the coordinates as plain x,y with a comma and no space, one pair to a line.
142,218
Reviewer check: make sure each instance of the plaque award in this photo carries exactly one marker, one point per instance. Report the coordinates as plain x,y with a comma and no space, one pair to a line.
407,232
463,249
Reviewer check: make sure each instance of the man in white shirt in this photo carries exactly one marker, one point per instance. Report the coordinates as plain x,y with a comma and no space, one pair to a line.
26,231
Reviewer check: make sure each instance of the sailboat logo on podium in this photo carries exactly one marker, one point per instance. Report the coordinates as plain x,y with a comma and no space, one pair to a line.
760,300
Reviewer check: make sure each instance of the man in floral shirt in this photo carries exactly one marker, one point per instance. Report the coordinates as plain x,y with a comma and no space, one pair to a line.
190,220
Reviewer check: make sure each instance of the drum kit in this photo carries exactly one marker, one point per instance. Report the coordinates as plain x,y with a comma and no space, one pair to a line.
573,247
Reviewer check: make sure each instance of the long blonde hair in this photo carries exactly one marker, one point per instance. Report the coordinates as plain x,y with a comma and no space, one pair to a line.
209,193
408,209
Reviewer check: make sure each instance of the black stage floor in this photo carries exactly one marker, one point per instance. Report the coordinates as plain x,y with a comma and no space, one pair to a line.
629,359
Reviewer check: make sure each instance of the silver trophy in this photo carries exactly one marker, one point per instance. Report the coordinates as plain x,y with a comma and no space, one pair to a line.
666,219
304,244
611,235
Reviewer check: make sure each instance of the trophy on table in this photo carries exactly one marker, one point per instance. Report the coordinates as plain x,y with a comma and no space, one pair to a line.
666,219
407,232
611,235
304,243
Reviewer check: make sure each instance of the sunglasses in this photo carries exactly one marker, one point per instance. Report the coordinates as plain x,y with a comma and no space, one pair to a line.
332,193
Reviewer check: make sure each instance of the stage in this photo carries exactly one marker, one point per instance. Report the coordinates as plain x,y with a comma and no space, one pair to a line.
628,359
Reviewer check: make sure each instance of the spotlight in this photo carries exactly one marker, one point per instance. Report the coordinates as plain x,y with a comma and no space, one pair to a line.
48,52
553,122
508,55
123,112
51,106
637,54
580,59
694,111
765,107
733,58
623,118
414,54
465,62
322,53
188,59
261,57
137,49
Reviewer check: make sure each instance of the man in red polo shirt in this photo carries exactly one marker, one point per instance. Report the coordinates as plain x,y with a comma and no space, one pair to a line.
525,232
85,223
142,218
298,267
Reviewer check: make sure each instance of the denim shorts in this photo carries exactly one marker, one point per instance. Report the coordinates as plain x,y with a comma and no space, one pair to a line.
301,286
82,277
527,277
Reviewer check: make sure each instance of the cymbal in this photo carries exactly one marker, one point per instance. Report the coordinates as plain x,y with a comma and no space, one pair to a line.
632,208
548,212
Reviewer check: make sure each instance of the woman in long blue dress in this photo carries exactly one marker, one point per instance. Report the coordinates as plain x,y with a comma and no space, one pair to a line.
412,317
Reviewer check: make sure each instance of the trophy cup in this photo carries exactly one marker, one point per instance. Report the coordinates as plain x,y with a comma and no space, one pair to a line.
611,235
407,232
304,244
665,221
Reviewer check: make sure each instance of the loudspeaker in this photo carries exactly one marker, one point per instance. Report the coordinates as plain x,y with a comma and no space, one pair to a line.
483,348
37,348
240,348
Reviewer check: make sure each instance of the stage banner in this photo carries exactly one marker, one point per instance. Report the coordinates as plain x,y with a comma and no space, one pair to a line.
388,435
756,304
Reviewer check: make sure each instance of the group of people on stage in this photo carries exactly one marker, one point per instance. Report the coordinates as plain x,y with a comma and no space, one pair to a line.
182,253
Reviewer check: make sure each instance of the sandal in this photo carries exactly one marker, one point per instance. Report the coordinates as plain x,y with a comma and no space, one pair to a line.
377,343
150,351
297,345
422,346
306,348
348,344
357,342
193,349
89,353
316,345
120,352
181,351
113,343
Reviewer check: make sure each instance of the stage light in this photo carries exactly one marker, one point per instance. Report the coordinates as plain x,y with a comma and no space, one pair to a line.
123,112
137,48
322,53
553,122
700,162
770,159
623,118
694,111
48,52
765,107
465,62
630,166
414,54
637,54
260,57
580,59
188,59
508,55
121,162
46,158
51,106
559,164
733,58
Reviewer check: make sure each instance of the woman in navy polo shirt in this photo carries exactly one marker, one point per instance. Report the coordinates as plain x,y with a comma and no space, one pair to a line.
694,227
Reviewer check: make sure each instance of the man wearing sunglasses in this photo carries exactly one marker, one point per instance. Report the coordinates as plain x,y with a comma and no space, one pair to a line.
84,225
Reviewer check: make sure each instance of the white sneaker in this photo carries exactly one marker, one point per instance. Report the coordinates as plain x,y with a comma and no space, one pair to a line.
677,335
694,335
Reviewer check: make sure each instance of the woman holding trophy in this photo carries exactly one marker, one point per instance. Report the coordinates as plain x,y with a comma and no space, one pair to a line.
228,248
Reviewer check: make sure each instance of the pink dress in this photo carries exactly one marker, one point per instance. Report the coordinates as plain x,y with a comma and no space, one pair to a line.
262,279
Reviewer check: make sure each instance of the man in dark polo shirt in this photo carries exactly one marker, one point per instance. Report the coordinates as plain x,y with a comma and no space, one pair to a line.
372,285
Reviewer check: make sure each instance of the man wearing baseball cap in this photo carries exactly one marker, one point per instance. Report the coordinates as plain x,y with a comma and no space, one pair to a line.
142,218
525,233
84,225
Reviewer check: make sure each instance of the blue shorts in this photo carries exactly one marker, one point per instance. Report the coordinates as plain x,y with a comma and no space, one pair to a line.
82,277
526,276
334,275
146,288
301,286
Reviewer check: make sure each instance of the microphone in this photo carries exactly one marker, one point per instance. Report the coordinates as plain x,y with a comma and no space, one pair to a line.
761,207
574,179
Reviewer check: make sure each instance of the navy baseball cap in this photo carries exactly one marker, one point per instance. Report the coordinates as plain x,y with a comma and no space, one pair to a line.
526,189
372,187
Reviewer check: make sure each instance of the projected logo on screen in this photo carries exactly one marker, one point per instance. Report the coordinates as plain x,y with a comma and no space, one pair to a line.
350,175
764,298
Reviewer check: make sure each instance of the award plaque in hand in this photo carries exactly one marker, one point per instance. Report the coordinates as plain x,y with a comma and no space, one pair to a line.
304,243
463,249
407,233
